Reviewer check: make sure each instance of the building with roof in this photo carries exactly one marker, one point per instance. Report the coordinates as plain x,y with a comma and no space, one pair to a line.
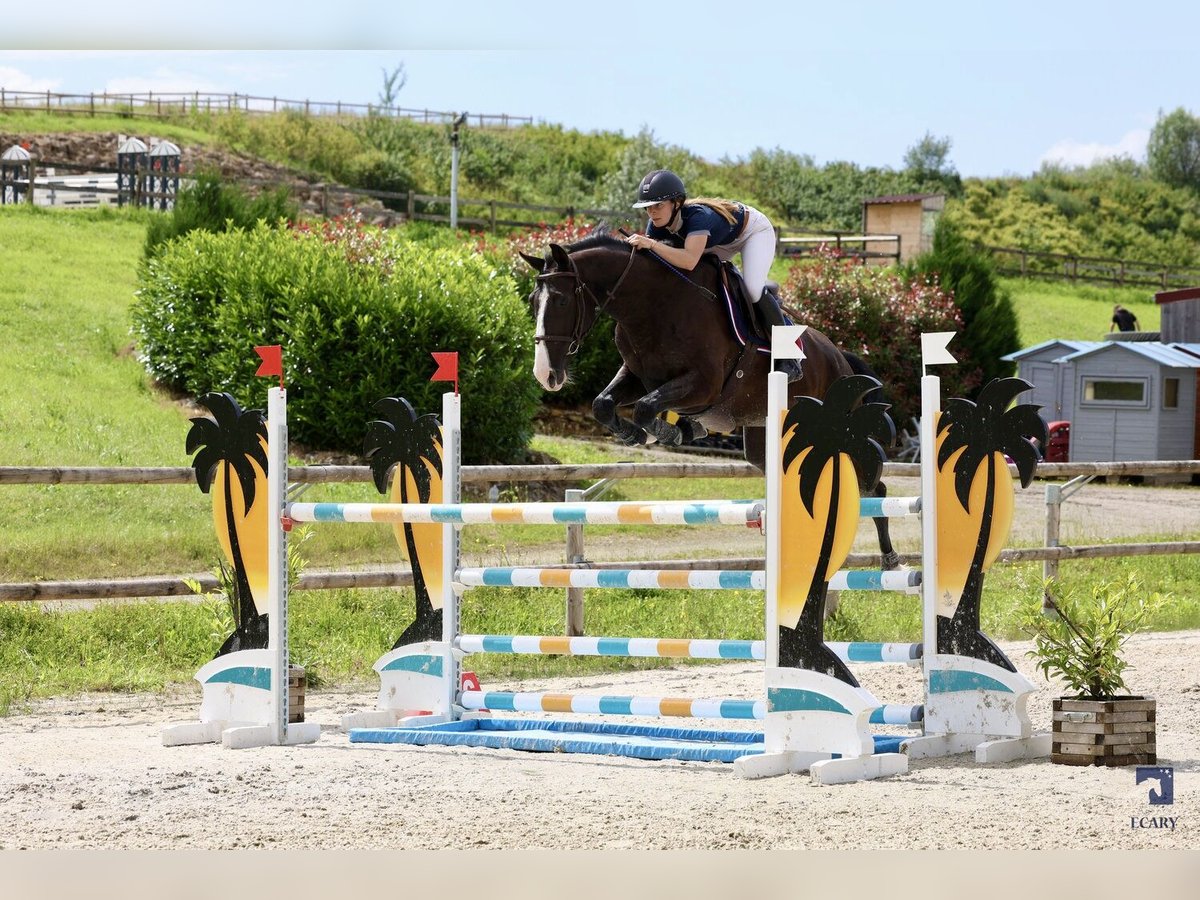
910,216
1125,400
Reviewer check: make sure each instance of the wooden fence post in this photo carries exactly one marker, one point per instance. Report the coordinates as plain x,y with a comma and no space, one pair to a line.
574,555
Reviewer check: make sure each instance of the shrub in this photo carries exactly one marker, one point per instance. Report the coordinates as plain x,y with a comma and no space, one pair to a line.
989,321
209,205
357,313
874,313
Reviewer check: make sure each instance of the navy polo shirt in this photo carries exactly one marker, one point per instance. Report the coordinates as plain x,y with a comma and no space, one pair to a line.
700,219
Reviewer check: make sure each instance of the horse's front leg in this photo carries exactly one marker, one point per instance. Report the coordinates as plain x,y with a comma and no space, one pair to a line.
676,393
621,391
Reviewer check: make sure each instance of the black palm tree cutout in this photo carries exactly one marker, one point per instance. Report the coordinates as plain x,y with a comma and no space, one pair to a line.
233,440
403,441
840,425
983,430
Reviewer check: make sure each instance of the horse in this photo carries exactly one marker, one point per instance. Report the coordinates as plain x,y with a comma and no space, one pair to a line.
678,348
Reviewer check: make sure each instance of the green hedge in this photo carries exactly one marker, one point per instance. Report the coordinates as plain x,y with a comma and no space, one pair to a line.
357,312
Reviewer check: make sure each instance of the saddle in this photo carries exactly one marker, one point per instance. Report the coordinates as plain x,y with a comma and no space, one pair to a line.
743,311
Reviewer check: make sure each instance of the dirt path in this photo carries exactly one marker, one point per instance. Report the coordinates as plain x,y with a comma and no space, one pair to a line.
92,772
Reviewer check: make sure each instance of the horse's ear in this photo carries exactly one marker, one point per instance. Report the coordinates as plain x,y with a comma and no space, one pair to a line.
535,262
562,259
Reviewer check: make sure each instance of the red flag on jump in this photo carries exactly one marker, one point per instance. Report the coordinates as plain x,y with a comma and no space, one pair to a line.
447,367
272,361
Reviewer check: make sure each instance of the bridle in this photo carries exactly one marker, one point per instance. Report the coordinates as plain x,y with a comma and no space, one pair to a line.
582,326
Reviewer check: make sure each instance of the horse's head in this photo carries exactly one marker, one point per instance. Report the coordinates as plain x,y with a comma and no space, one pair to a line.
564,311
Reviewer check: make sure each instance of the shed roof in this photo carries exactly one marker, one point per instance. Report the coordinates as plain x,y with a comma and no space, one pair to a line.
900,198
1175,296
1176,356
1068,347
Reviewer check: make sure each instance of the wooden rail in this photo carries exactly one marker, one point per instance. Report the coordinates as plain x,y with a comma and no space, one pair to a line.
1073,267
165,104
558,473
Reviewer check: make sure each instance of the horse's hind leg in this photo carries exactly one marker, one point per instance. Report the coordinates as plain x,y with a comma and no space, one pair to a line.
891,559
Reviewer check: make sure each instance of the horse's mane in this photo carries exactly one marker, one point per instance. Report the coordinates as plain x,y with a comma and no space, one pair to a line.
601,237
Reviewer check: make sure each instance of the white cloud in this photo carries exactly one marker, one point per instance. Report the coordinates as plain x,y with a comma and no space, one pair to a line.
1074,153
15,80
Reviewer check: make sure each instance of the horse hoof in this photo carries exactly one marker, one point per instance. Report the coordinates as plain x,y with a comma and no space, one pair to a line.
891,563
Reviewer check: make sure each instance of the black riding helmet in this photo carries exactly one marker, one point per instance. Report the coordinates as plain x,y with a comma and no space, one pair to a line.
659,185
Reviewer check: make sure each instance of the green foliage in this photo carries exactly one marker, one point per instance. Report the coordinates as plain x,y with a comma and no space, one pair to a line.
828,197
1081,643
874,313
1112,209
207,204
357,312
989,321
928,164
1173,152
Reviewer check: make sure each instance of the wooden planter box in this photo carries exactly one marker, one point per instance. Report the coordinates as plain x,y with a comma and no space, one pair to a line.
296,682
1117,732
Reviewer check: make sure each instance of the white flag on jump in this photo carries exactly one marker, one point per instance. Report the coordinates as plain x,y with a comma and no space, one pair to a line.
785,342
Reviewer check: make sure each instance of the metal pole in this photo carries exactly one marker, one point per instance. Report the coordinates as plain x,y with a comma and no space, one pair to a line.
454,169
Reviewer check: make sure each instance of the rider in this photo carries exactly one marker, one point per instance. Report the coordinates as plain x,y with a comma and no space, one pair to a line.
720,226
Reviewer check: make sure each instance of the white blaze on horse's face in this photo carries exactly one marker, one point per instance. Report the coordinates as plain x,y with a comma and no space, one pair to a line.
542,369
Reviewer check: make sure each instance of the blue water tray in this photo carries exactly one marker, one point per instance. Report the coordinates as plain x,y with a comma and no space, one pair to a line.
603,738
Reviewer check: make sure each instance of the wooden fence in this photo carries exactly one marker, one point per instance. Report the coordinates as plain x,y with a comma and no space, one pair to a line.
165,104
175,585
1104,270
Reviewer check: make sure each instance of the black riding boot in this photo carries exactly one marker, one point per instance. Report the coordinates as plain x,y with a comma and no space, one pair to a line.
768,308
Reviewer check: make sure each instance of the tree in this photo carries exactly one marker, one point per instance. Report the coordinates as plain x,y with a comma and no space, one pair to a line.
974,518
393,83
1173,152
643,154
233,455
831,439
413,446
928,163
989,320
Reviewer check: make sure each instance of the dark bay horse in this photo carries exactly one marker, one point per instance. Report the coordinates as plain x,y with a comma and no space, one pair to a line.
678,347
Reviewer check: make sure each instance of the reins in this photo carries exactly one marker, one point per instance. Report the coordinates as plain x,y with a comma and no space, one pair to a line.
580,287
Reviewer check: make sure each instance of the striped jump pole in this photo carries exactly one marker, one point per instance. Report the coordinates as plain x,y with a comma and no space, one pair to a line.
702,512
677,648
908,581
661,707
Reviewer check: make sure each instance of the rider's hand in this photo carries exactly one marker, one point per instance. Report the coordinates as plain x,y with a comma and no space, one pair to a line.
641,241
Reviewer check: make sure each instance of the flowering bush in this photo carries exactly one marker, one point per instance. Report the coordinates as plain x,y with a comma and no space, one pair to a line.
361,244
876,314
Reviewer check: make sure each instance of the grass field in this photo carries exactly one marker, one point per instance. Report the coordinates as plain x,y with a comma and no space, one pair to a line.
72,393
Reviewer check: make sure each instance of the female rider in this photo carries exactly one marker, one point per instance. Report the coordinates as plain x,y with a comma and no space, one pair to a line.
720,226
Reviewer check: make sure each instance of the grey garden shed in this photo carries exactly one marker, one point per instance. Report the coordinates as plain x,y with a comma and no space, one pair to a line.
1125,400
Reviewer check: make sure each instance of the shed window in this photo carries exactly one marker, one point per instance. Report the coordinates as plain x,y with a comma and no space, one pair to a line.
1114,391
1170,393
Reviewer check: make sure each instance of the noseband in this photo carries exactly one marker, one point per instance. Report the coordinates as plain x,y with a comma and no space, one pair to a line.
582,287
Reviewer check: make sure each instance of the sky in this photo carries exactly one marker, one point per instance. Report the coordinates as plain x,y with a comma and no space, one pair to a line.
1012,85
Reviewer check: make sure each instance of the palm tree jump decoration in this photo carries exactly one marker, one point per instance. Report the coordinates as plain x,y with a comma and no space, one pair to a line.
232,457
410,446
241,459
824,443
975,504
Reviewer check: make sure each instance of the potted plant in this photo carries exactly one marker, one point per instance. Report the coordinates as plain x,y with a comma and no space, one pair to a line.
1081,641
